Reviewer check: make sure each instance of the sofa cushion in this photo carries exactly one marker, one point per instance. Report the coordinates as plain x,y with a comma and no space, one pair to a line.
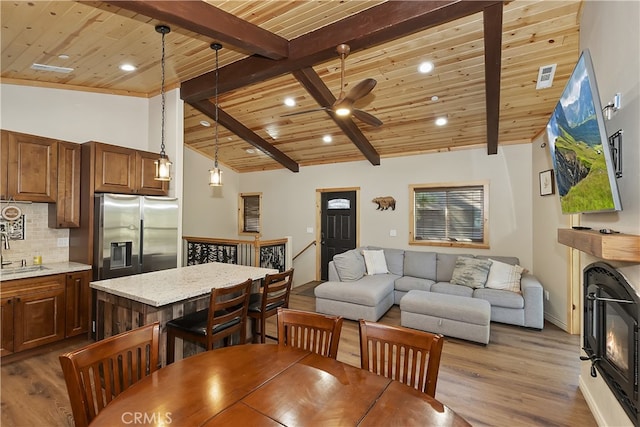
349,265
369,291
420,264
408,283
512,260
471,272
448,288
375,262
500,298
445,265
395,261
504,276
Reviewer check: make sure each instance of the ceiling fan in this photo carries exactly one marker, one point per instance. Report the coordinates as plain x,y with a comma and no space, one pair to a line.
343,106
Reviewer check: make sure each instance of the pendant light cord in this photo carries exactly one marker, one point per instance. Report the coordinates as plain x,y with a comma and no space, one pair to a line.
215,165
162,153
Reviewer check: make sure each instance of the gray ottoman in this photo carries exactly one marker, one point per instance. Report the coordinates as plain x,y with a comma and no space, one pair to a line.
449,315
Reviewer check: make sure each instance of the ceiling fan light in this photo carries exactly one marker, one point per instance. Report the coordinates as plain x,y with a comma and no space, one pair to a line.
215,177
343,111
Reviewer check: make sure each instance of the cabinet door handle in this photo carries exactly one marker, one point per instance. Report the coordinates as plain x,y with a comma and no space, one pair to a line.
9,301
18,299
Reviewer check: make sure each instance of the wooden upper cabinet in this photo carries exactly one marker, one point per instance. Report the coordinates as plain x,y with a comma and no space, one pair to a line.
32,170
65,213
124,170
145,163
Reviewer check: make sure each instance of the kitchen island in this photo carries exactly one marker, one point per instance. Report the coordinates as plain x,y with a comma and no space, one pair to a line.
129,302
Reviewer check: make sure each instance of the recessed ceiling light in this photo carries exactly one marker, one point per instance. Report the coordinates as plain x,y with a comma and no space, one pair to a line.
441,121
434,98
327,139
289,102
205,123
250,151
426,67
127,67
63,56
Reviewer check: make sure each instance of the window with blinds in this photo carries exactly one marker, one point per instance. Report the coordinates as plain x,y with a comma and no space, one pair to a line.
450,215
249,218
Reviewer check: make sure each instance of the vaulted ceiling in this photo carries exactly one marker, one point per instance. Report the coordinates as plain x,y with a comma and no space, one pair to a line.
486,56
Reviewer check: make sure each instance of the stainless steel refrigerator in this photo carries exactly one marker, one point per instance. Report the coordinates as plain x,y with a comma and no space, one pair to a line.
134,234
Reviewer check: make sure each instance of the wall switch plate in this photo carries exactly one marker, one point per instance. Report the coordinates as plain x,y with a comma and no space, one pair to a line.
310,230
546,295
393,233
63,242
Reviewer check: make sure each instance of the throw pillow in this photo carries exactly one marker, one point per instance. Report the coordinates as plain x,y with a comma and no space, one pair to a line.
471,272
504,276
350,265
375,262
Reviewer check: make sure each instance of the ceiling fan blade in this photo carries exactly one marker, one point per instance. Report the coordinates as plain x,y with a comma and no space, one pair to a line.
360,90
296,113
366,118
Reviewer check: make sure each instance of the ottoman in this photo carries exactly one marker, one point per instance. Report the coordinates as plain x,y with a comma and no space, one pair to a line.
449,315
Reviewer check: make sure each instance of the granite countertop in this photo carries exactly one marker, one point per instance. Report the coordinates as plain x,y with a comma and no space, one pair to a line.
164,287
12,273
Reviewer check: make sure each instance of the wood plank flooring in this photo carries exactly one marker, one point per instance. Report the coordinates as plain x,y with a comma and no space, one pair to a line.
522,378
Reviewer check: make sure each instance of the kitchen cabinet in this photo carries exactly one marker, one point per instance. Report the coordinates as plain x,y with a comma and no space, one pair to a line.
124,170
4,165
33,310
77,303
31,168
65,213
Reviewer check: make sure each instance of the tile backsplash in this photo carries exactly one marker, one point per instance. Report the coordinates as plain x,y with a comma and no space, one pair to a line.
39,238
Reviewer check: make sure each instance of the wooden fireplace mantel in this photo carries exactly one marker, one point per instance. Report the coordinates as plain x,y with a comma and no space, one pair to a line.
613,247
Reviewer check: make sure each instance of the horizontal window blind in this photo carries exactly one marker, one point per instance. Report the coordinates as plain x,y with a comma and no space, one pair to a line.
451,214
251,214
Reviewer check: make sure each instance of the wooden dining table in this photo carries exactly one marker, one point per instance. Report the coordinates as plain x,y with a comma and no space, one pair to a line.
269,385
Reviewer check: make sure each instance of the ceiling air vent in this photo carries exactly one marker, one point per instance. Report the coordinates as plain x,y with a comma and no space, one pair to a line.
53,68
545,76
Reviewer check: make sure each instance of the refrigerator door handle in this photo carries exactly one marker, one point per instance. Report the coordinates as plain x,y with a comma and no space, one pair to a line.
141,246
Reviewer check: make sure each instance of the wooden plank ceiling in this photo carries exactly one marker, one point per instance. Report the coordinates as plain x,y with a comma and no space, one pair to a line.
275,50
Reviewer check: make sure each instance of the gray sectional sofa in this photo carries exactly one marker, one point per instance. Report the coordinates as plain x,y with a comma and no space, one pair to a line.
354,294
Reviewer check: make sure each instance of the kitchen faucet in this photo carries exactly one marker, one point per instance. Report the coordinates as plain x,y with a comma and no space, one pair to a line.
4,237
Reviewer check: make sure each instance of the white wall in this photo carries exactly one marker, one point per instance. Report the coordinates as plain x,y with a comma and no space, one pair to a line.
289,199
611,31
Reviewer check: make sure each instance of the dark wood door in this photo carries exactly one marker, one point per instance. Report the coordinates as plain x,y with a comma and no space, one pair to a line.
338,231
77,303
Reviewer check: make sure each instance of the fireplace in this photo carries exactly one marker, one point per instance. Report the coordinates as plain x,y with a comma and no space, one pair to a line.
611,315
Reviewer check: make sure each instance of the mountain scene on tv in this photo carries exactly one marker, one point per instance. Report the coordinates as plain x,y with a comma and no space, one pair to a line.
576,149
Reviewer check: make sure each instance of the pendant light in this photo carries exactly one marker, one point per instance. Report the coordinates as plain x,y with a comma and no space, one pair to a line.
215,174
163,165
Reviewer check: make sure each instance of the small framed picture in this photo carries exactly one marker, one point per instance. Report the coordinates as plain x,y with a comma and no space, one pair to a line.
547,185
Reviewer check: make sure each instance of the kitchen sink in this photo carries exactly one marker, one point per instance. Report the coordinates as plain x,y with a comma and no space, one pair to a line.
27,269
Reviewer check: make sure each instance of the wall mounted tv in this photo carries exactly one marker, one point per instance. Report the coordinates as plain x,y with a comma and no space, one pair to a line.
582,160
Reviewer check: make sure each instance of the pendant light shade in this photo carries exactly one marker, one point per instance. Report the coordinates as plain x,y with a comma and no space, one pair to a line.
215,174
163,165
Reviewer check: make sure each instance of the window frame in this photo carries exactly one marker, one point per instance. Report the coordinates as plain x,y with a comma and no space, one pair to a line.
450,186
241,214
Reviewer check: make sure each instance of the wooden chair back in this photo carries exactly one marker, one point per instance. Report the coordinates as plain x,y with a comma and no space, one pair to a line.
276,289
97,373
315,332
228,312
406,355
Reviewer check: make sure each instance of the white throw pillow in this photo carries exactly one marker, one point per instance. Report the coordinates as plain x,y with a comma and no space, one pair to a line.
504,276
375,262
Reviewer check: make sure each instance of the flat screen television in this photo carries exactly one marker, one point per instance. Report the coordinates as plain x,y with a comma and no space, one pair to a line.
582,161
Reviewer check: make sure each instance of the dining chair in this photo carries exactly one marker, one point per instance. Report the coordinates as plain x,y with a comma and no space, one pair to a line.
274,293
315,332
406,355
225,316
97,373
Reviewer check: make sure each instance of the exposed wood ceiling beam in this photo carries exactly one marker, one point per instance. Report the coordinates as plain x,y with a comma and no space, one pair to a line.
492,17
209,109
202,18
323,96
376,25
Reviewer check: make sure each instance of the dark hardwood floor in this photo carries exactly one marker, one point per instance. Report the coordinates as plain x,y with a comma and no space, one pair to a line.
522,378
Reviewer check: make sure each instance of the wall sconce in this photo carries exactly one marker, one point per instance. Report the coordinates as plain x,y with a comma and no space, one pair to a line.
611,107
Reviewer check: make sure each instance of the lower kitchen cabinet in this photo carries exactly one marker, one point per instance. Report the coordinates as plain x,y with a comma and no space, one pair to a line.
42,310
